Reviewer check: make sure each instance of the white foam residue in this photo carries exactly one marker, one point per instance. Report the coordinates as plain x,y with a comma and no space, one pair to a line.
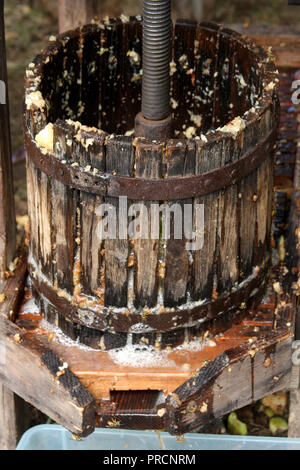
61,338
140,328
30,307
194,346
140,357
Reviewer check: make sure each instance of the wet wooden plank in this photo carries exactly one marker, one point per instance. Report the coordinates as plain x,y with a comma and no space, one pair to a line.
45,226
90,75
64,211
183,74
119,159
228,222
248,195
110,70
206,54
132,63
265,195
148,164
35,373
234,379
91,246
204,259
178,158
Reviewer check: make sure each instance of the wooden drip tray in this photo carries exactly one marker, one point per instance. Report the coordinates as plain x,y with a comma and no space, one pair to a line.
257,355
102,372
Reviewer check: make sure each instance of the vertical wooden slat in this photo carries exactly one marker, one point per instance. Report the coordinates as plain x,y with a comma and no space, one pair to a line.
119,159
7,205
208,156
15,416
183,90
31,207
71,82
265,194
226,90
110,67
148,164
228,223
10,413
132,72
90,243
73,13
45,224
90,75
248,195
177,256
206,54
64,211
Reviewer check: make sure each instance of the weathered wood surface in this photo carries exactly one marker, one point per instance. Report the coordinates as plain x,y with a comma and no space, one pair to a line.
284,40
63,208
14,418
100,374
119,158
180,161
7,206
144,275
227,384
11,417
148,163
73,13
250,356
267,356
37,374
294,421
293,239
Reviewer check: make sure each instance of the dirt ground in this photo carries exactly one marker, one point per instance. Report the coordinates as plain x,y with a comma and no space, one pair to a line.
28,26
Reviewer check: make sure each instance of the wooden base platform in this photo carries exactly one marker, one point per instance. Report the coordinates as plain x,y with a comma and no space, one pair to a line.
238,367
178,390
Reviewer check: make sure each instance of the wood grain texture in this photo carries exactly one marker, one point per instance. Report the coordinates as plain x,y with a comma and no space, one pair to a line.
205,60
7,205
228,223
204,259
180,161
63,212
91,246
73,13
14,418
248,194
36,373
184,75
148,274
148,163
283,39
233,380
119,158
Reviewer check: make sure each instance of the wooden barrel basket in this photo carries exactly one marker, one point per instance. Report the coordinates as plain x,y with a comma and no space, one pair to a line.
82,96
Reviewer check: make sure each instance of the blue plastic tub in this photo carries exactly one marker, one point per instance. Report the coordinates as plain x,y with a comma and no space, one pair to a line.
54,437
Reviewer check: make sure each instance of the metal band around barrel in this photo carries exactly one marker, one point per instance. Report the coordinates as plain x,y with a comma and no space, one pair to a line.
106,184
169,319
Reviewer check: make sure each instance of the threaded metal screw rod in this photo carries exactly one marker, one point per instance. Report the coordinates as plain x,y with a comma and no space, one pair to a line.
156,59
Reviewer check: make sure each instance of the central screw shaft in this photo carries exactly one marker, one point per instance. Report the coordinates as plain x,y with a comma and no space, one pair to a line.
156,59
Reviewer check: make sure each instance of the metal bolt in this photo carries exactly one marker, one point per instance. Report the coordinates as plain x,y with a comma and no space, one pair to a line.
156,59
